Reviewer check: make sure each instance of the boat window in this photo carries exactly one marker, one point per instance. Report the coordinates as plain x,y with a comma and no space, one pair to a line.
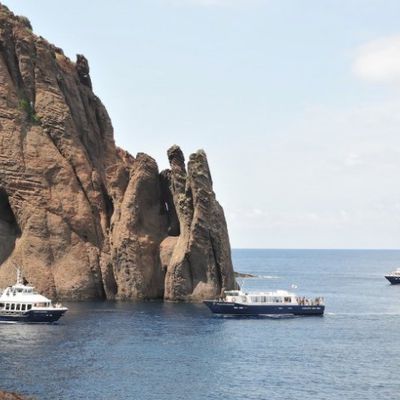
7,306
288,300
18,307
29,306
12,306
1,305
23,307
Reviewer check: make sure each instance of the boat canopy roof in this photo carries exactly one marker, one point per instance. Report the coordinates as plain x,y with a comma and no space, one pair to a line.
20,293
276,293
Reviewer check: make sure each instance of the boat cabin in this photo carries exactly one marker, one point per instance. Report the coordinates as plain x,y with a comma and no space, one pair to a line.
21,298
279,296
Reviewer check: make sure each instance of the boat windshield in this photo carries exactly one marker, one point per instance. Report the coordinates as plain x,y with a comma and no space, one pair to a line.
29,290
232,293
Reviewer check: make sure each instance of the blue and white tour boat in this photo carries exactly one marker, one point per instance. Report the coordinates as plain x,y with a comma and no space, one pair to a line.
279,302
394,277
21,303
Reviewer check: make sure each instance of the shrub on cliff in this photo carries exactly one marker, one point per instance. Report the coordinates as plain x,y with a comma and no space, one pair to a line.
26,106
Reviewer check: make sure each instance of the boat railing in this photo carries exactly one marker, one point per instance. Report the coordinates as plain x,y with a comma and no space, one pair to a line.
303,301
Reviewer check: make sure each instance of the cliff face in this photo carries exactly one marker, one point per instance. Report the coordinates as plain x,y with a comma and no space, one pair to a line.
82,217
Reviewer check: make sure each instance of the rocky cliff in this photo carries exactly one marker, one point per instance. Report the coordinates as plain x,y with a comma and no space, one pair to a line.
82,217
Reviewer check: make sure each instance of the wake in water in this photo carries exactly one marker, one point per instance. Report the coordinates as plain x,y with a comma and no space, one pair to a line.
252,317
373,314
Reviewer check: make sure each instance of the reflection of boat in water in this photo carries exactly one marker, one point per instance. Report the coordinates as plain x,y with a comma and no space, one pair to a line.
279,302
394,277
21,303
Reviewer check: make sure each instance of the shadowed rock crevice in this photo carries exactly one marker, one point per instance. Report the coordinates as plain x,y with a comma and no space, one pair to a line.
109,206
9,229
168,205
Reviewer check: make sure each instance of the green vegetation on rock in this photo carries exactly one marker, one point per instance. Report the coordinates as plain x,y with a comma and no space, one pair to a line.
26,106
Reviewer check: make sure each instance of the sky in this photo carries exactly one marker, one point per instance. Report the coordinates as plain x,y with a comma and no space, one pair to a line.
296,102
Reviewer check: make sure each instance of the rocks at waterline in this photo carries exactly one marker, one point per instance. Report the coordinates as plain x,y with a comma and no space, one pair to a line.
244,275
11,396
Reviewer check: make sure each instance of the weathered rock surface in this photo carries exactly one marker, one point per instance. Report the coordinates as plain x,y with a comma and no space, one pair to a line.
82,217
200,262
11,396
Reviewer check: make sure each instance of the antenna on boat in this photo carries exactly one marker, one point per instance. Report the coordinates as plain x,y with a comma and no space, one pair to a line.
19,275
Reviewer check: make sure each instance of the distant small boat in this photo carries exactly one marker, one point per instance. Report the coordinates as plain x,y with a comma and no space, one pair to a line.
279,302
394,277
21,303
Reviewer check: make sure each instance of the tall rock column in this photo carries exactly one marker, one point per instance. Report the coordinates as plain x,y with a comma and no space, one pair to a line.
199,265
137,229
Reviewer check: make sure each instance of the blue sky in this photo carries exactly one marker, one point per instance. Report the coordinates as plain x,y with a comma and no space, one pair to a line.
295,102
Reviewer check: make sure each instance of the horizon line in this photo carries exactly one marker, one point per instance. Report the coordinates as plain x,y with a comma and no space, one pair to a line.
316,248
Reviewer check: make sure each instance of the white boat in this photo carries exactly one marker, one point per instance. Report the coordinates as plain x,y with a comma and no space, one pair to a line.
22,303
393,277
279,302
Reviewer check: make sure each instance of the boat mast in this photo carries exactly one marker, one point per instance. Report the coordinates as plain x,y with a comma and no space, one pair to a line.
19,276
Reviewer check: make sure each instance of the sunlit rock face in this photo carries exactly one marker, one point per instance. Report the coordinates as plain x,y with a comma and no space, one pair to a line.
82,217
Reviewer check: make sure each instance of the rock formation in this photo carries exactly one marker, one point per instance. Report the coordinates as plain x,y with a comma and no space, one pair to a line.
11,396
82,217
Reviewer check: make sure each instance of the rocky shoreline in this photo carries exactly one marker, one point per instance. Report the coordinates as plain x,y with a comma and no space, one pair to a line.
244,275
12,396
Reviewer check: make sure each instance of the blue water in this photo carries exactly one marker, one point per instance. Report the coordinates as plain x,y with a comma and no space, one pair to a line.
143,351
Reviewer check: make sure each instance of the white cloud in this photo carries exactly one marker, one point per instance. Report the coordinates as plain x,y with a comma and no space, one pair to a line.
379,60
352,160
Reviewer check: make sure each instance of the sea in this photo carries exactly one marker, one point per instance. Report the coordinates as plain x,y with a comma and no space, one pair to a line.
164,351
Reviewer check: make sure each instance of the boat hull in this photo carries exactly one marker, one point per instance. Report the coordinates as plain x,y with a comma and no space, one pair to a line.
32,316
394,280
227,308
